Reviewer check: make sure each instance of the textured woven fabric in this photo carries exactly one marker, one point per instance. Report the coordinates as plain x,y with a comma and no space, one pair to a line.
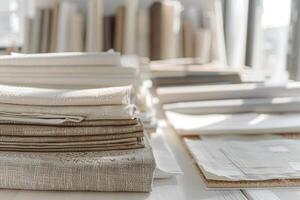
115,122
60,97
55,139
63,114
65,59
63,70
74,148
125,170
31,130
71,143
69,82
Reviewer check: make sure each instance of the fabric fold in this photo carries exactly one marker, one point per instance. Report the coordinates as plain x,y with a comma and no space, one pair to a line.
64,114
26,130
57,97
65,59
62,139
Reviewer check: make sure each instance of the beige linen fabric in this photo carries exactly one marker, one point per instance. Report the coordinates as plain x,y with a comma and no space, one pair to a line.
65,59
124,170
63,114
29,130
116,122
64,97
61,139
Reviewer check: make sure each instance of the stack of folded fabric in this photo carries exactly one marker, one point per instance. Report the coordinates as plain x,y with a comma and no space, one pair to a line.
174,73
90,122
58,136
65,70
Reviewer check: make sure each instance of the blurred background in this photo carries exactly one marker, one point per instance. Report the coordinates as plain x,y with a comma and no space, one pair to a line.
260,34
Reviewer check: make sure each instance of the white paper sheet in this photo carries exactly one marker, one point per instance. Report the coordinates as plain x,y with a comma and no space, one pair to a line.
246,160
245,123
226,91
228,106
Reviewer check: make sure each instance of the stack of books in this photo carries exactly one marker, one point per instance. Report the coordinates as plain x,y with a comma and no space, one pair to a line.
160,31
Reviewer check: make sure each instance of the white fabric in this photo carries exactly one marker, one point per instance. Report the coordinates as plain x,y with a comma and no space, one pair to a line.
68,58
66,70
245,123
56,97
226,91
166,165
68,82
261,105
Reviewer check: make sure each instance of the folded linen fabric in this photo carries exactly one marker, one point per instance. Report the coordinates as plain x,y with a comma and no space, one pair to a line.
87,146
56,97
226,91
63,114
74,149
196,80
69,82
245,123
36,130
65,59
71,143
65,70
104,122
260,105
126,170
62,139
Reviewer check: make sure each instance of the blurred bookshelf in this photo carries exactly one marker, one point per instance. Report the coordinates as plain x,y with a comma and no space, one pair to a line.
234,33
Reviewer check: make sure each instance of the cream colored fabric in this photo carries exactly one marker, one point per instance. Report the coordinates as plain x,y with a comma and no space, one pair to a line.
68,82
61,70
63,114
124,170
67,58
56,97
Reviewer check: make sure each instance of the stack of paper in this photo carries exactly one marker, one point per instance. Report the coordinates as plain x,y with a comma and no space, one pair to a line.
227,91
245,123
228,106
242,163
187,72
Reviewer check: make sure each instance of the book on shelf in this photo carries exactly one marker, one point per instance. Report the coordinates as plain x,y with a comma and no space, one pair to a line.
161,31
94,31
